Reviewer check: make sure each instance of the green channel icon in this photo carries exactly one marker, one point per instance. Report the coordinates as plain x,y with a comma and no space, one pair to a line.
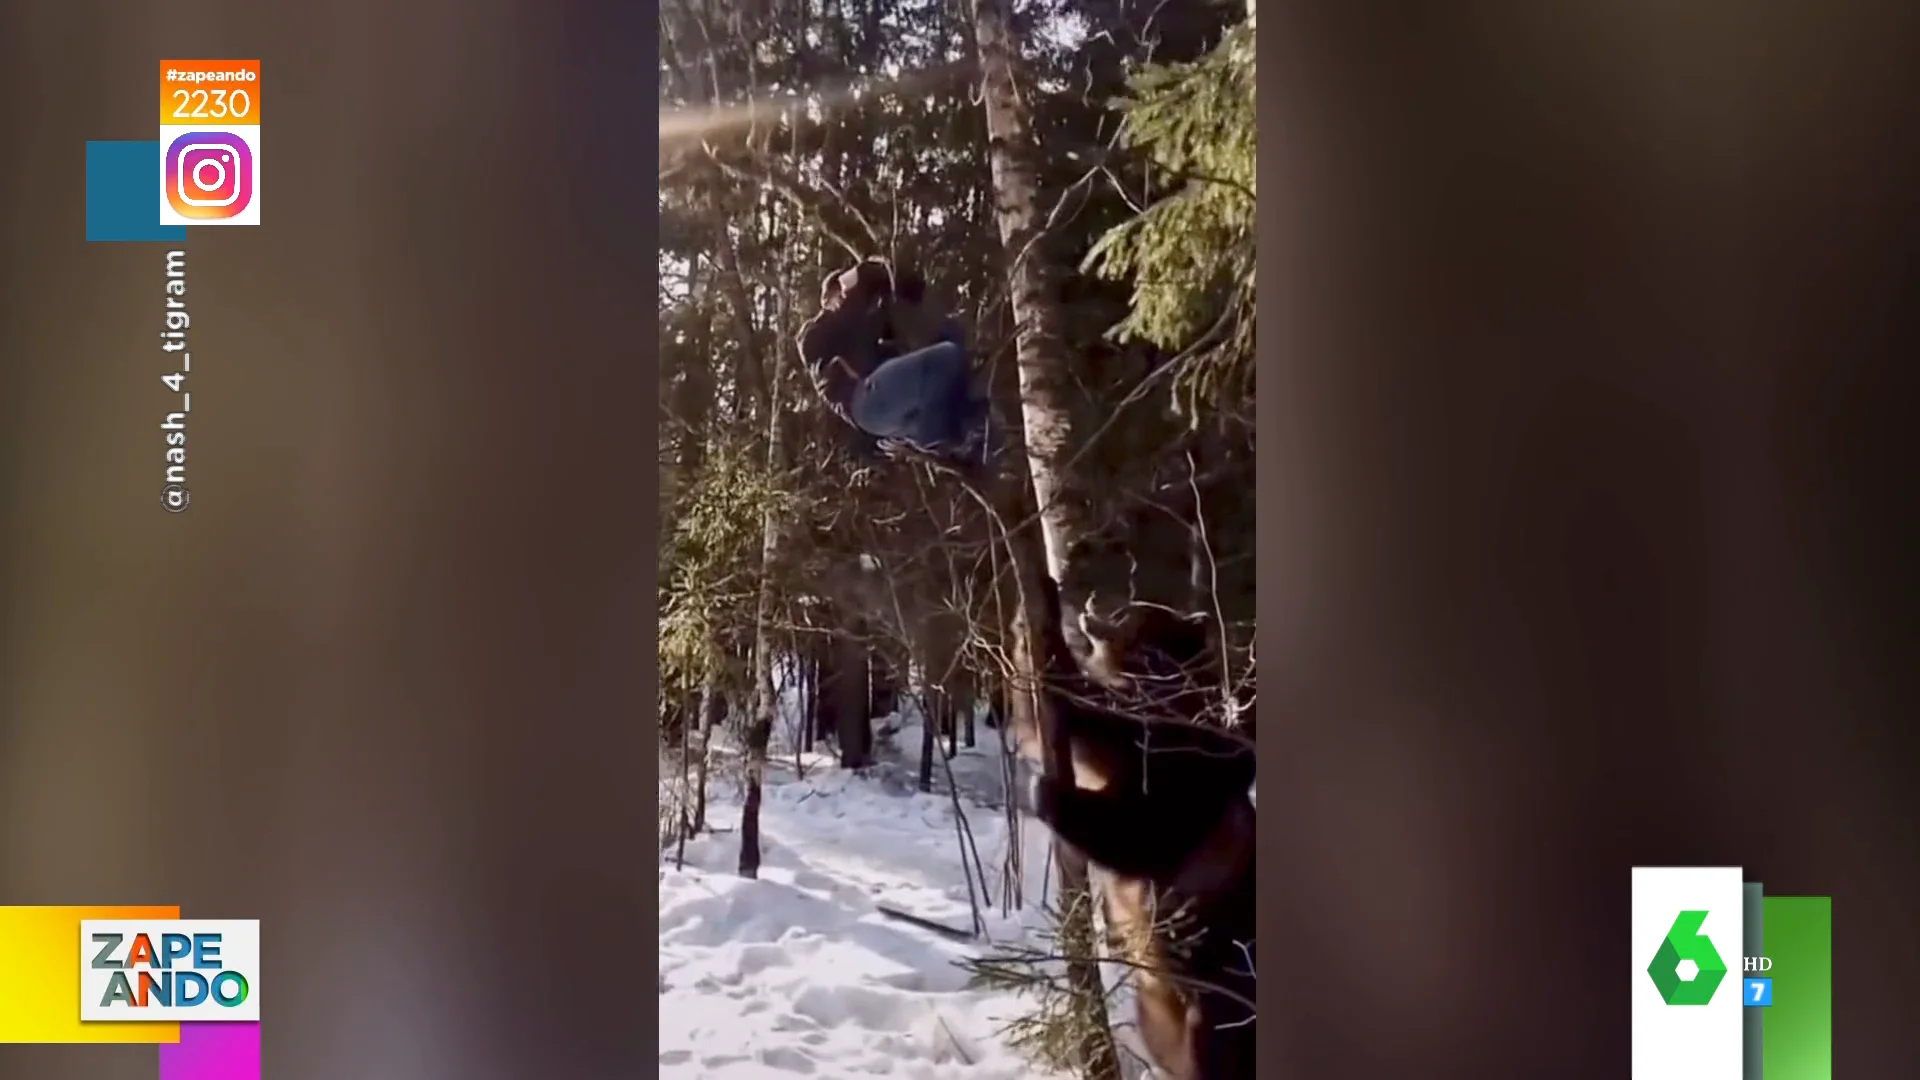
1685,942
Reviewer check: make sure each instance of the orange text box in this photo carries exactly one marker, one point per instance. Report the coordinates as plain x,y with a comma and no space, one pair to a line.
209,93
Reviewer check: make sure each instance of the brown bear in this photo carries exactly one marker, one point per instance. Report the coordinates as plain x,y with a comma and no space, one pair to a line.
1164,806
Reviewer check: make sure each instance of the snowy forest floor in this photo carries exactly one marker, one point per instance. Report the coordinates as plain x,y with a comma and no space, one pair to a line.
799,973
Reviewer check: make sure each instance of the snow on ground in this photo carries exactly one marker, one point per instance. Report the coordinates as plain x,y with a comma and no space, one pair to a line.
798,973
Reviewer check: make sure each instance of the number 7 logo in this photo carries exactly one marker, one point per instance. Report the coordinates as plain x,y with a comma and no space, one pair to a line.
1759,993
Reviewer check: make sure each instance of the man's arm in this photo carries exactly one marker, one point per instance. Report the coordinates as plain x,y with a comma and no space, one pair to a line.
818,339
820,342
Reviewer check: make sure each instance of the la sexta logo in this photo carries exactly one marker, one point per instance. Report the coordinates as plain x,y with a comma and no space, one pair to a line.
1687,969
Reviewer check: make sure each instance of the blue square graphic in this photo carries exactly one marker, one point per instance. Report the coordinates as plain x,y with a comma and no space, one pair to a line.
123,194
1757,993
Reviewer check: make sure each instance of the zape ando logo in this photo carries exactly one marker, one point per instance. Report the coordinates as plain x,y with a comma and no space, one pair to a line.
170,969
1687,969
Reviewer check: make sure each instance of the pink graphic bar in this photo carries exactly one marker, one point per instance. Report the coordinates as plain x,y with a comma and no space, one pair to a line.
212,1052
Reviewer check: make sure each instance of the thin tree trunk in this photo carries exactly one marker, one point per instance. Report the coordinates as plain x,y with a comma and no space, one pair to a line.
929,734
760,731
1047,415
968,738
825,725
806,678
952,720
759,734
673,722
712,713
686,825
797,726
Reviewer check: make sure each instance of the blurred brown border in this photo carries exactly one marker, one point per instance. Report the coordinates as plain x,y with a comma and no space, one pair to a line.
388,684
1585,536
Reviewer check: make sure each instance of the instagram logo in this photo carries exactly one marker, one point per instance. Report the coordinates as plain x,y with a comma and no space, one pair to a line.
208,176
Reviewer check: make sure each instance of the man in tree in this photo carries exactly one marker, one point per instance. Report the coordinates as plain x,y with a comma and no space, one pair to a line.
895,365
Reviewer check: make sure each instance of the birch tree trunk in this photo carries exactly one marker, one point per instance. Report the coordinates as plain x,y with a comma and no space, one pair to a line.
1039,343
1047,423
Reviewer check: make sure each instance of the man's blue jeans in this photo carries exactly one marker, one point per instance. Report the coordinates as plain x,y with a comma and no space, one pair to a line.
923,397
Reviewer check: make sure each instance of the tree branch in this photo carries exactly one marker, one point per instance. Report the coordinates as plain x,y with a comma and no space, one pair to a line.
844,227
